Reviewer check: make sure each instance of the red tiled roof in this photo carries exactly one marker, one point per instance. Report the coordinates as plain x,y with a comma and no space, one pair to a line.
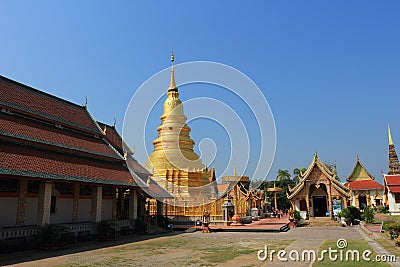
113,137
29,129
36,163
363,185
393,183
24,99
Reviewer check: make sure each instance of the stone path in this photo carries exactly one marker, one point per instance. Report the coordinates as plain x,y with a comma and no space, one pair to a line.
376,246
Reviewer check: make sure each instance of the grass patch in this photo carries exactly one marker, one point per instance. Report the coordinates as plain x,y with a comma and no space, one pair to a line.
359,245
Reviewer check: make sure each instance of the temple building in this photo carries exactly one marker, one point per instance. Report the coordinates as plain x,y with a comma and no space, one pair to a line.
59,166
365,191
318,190
392,180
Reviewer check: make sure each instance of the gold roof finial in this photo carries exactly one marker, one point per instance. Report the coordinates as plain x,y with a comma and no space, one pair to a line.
172,84
390,136
234,168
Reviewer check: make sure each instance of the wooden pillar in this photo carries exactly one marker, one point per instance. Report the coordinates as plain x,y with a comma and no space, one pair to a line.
75,202
97,197
121,192
114,204
44,202
133,204
329,201
22,190
159,208
344,202
308,201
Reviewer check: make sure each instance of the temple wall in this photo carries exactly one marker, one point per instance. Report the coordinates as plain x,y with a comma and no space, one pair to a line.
394,208
84,210
8,209
106,211
31,210
63,212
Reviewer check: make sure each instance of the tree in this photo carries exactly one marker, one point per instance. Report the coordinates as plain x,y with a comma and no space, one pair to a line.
297,173
283,175
332,167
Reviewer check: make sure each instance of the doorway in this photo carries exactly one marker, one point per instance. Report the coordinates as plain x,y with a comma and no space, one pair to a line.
362,202
319,206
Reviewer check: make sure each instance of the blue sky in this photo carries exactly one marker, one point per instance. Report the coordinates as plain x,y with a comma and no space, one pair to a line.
329,69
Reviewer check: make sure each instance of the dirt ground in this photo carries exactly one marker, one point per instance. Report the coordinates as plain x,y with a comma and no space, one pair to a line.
182,249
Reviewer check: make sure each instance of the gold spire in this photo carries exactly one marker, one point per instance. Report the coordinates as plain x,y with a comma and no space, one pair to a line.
234,169
172,84
390,136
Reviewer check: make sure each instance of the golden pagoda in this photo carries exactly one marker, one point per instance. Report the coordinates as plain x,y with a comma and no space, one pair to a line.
173,162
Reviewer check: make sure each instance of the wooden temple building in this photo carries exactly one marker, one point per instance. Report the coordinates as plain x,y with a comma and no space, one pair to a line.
317,191
59,166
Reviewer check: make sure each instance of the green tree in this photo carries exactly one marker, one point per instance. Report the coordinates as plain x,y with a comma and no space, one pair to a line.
283,175
297,173
332,167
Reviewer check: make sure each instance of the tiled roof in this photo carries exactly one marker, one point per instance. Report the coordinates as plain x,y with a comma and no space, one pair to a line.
363,185
393,183
36,163
31,130
112,136
115,139
24,99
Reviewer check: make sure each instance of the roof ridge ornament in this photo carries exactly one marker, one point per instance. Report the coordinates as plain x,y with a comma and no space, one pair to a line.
85,104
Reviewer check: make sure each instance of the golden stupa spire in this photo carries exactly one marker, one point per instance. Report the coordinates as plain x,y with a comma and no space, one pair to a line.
234,168
172,84
390,136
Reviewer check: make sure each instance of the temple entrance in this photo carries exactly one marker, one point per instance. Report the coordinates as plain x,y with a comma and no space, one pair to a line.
362,202
319,203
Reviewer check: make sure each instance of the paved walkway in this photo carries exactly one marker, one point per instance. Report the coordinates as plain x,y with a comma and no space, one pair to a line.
376,246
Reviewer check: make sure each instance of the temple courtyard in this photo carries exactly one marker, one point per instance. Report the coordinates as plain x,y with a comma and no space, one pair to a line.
178,248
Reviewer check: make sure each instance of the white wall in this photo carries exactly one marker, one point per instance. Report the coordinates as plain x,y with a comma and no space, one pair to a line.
84,210
394,208
106,209
63,212
8,211
31,210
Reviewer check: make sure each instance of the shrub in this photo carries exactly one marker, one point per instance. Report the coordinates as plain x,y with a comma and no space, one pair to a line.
383,209
297,215
345,213
368,215
393,227
355,213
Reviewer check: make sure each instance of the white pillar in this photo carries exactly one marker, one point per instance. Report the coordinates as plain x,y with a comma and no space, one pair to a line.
133,203
43,215
97,195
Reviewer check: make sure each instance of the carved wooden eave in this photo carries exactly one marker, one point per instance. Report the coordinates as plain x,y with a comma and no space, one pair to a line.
316,162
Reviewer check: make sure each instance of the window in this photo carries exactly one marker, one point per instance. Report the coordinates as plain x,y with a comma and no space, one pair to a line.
377,202
53,204
397,197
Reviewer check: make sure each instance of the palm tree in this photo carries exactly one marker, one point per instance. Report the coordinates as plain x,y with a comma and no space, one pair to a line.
283,175
297,173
